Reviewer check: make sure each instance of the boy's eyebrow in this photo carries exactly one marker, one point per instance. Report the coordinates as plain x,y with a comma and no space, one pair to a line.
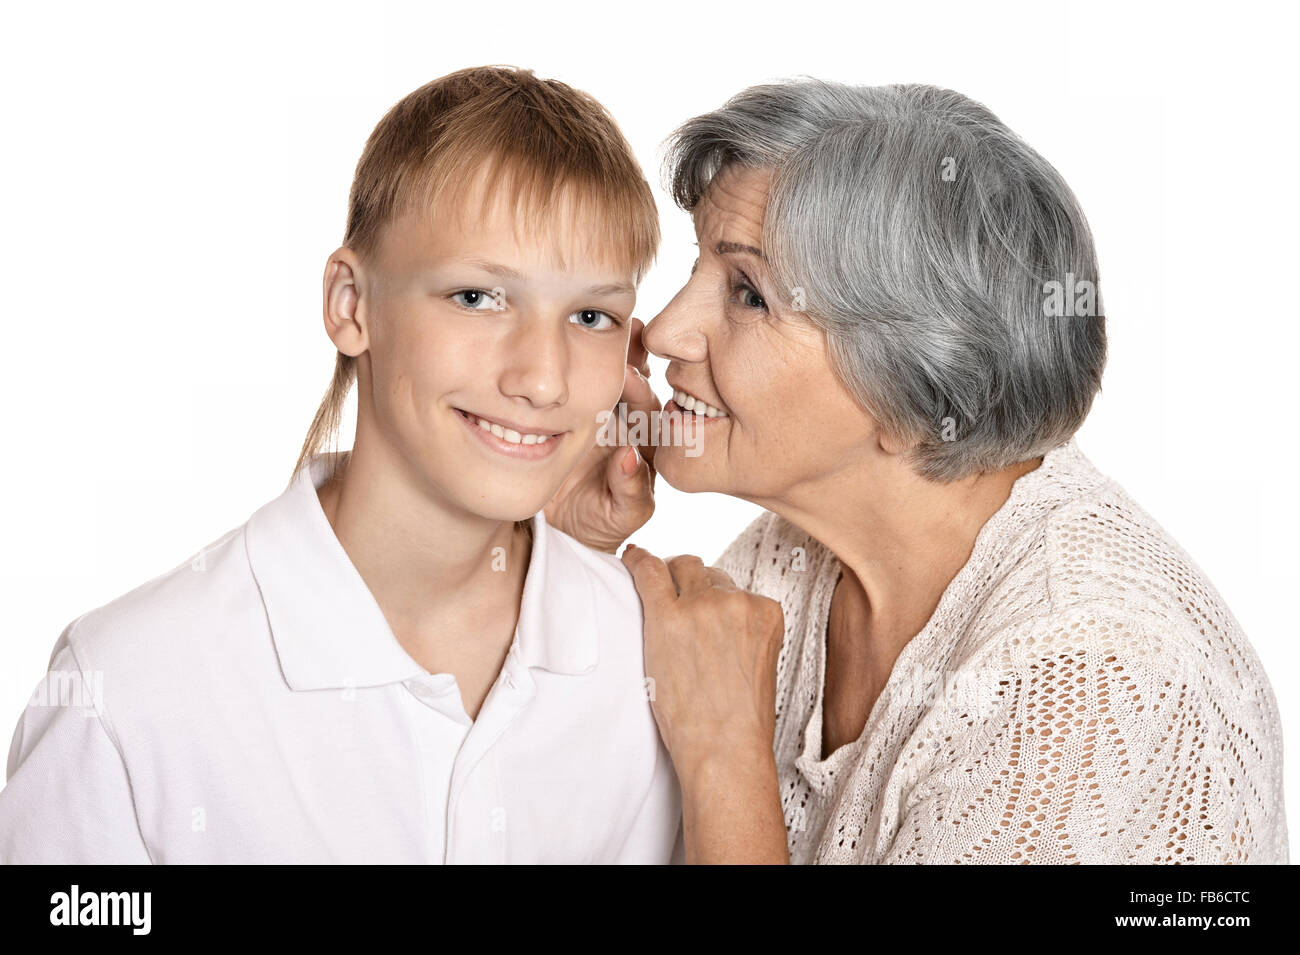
614,288
506,272
493,268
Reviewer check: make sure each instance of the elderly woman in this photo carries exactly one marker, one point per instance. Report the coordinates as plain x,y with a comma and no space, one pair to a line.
949,639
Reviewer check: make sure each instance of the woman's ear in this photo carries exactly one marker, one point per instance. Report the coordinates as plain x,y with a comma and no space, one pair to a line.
891,443
345,310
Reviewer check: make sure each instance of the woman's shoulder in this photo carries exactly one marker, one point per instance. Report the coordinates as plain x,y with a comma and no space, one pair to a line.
1105,548
1077,576
1102,588
1101,638
1070,536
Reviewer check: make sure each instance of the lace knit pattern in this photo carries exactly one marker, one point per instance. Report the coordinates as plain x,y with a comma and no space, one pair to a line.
1081,694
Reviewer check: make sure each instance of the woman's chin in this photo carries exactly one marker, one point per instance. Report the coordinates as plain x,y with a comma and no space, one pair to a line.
690,475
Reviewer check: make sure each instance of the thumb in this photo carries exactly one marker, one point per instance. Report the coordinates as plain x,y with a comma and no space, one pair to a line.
623,466
630,481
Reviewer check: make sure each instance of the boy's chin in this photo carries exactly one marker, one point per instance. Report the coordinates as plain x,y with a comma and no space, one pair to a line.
514,510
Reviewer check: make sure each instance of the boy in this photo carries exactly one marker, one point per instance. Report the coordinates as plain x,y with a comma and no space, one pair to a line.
397,659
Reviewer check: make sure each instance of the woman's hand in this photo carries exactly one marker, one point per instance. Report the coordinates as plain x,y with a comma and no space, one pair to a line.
710,652
610,494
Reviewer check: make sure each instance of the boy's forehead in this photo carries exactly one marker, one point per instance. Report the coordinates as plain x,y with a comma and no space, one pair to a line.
467,228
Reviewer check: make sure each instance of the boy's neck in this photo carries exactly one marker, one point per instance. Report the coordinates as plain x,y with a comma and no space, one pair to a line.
448,582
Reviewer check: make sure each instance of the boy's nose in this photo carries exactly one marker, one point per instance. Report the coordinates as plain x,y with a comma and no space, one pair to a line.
537,367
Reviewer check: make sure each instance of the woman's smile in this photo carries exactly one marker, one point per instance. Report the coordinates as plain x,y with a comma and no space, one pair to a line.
688,402
694,416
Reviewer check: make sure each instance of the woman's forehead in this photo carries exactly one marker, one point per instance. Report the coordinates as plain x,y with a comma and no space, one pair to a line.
734,204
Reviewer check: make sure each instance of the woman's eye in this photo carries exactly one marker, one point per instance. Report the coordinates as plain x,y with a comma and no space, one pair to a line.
592,318
747,297
477,299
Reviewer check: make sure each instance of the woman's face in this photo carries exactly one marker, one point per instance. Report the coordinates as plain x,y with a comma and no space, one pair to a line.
479,320
735,341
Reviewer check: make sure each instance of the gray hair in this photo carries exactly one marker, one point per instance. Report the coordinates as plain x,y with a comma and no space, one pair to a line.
935,249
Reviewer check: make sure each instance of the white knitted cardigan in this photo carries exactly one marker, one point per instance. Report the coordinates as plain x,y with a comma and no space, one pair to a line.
1082,694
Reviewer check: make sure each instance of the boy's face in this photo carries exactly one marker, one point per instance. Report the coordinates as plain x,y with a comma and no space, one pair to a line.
469,319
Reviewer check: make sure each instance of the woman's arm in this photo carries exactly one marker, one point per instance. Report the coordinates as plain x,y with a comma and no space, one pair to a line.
731,810
711,651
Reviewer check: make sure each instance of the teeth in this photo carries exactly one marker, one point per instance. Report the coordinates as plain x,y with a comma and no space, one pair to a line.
514,437
689,402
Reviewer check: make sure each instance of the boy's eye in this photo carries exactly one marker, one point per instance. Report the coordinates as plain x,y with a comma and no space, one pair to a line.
478,299
592,318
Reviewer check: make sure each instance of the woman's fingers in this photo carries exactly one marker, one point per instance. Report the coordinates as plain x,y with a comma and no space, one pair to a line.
637,393
610,494
650,574
640,400
712,650
637,355
692,575
631,483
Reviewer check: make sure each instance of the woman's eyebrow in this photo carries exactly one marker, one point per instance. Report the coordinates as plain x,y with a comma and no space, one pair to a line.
722,248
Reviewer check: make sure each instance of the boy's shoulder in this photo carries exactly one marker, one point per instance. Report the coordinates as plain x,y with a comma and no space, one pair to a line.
606,571
155,624
617,604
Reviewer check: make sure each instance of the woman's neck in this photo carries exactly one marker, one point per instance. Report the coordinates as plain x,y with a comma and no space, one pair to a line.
902,538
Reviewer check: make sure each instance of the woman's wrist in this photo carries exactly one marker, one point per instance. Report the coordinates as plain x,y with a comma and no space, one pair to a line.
720,760
731,807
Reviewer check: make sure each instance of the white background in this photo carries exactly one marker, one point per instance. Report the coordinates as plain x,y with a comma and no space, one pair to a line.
174,178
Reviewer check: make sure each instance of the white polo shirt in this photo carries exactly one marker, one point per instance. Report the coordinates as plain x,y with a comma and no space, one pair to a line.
253,706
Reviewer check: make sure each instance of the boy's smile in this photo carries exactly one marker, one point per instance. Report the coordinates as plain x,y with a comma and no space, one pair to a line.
511,439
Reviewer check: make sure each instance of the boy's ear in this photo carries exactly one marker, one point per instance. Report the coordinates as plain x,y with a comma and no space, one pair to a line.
345,318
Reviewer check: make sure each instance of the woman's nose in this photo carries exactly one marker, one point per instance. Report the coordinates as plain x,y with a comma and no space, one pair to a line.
676,333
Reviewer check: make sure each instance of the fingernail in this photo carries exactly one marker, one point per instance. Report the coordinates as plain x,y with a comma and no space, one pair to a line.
630,461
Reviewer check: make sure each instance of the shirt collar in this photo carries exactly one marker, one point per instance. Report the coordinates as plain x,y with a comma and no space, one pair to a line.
328,629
